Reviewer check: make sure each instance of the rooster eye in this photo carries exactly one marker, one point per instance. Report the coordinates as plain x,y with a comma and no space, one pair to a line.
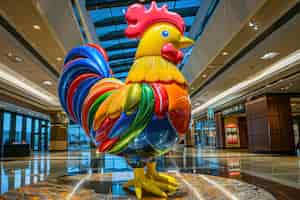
165,33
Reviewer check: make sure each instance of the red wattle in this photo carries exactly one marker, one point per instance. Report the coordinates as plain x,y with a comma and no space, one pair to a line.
172,54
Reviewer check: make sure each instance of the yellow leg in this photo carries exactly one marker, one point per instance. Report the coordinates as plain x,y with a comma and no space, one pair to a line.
163,181
141,182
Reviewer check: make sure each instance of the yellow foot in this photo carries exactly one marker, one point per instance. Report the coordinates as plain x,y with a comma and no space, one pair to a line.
140,183
165,182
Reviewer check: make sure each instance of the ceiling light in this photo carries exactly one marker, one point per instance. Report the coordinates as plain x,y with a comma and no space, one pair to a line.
48,83
36,27
10,77
293,104
269,55
224,53
59,59
18,59
9,54
251,24
279,66
204,75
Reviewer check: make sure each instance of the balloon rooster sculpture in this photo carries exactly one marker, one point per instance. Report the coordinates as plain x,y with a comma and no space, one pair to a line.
147,115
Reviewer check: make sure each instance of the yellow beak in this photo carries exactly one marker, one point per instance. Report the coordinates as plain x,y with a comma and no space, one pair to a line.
185,42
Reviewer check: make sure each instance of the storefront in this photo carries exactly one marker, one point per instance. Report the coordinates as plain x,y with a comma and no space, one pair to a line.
205,131
232,127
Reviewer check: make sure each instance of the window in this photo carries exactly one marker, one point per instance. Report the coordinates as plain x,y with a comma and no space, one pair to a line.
18,138
77,138
6,127
36,135
49,133
28,129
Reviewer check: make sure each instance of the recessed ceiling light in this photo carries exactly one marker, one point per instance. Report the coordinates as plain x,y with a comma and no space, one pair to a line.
47,83
269,55
59,59
251,24
18,59
9,54
36,27
224,53
204,75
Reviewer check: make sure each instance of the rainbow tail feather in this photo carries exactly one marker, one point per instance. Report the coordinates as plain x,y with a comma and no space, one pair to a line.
85,69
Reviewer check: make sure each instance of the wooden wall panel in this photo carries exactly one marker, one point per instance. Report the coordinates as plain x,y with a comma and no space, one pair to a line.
220,132
270,124
242,123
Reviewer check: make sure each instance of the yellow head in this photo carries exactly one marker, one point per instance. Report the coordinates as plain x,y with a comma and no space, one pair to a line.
161,39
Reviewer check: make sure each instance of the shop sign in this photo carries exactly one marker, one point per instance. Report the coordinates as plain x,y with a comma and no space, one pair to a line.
210,114
235,109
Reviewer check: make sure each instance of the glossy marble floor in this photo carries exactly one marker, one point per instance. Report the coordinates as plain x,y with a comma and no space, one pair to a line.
204,173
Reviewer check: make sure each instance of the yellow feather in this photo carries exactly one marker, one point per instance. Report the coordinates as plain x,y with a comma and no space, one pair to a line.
153,69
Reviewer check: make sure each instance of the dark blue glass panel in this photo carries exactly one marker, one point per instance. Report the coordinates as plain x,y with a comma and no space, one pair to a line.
28,129
18,138
6,127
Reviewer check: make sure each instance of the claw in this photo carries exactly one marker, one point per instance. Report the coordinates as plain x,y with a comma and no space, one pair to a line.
160,177
151,187
141,182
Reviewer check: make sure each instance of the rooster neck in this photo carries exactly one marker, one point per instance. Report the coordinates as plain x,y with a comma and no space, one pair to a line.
154,69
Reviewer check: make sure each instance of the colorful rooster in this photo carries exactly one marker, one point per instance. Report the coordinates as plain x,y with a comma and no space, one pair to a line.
147,115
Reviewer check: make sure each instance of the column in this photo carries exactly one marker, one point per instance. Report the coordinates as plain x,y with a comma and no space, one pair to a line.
1,129
32,134
40,136
243,133
24,126
12,133
58,132
189,138
46,136
220,132
270,124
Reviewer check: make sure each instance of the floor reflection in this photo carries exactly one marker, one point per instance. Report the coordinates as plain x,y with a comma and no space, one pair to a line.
272,172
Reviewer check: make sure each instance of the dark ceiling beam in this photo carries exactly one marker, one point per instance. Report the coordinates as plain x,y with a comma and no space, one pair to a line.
96,4
184,12
111,35
120,46
121,62
122,56
121,69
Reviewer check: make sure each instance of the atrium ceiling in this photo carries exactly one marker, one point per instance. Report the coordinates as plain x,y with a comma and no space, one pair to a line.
109,21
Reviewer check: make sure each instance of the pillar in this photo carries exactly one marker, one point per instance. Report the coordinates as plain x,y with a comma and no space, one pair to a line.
243,132
58,132
32,133
189,138
1,129
12,133
269,124
220,132
24,126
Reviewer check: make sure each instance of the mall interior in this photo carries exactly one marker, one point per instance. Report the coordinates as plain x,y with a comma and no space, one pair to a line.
243,74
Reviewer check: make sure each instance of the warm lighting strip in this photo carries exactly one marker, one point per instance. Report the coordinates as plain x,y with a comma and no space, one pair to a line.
11,78
276,67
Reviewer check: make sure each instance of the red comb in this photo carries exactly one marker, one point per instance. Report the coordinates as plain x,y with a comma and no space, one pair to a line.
139,18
